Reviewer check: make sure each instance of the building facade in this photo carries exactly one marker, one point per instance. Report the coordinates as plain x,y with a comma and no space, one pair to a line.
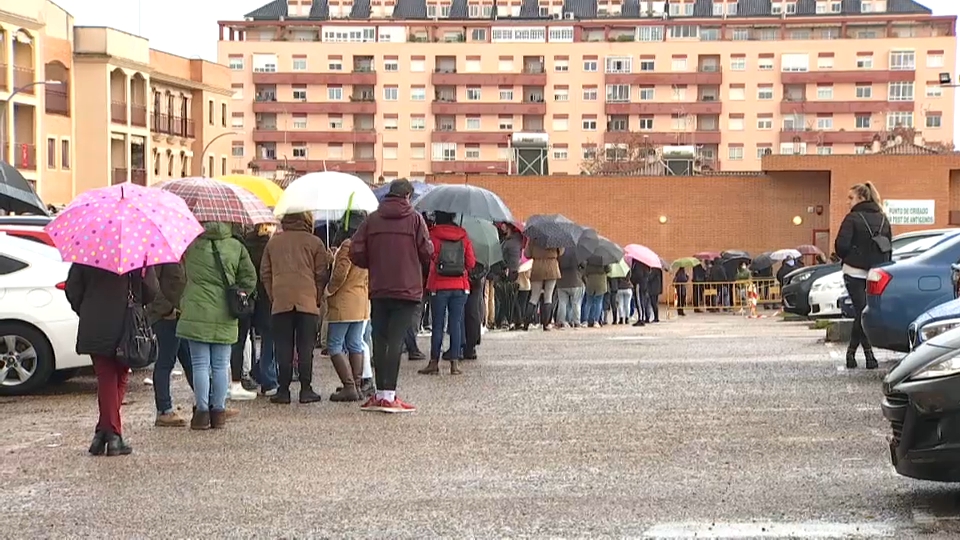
407,87
90,106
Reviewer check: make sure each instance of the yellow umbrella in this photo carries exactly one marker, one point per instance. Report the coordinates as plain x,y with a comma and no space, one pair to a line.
265,189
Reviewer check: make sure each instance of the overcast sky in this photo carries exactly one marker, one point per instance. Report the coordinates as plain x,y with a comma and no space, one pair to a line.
189,27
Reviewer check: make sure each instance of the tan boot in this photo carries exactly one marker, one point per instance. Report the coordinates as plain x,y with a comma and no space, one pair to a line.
345,371
455,367
356,369
170,419
433,368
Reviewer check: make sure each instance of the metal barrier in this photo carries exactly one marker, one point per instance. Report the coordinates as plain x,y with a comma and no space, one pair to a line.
720,296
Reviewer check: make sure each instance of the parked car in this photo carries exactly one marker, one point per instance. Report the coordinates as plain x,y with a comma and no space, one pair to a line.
795,292
898,292
846,307
939,319
38,330
27,227
922,403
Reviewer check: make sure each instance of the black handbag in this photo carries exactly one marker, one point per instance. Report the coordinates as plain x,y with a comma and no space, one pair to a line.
239,303
138,346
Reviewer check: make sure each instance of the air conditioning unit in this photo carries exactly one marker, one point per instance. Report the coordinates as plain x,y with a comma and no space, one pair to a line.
568,15
556,16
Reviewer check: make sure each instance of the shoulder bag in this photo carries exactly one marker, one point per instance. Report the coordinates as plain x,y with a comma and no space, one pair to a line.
879,240
239,303
137,347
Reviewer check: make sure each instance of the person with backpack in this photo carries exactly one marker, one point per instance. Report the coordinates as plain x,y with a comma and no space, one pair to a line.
449,286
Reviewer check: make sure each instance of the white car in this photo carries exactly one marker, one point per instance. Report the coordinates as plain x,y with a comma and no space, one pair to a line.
38,330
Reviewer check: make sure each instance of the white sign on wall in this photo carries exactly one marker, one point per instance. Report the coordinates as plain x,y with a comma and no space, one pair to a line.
910,211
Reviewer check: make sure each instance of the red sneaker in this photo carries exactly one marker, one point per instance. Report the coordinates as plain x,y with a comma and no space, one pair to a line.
396,406
372,405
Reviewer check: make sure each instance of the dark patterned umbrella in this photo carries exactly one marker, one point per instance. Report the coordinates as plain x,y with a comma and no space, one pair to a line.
587,245
551,231
210,200
419,190
16,193
466,201
762,262
606,252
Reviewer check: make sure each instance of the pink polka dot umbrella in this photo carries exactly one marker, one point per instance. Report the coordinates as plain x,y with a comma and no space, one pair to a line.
124,227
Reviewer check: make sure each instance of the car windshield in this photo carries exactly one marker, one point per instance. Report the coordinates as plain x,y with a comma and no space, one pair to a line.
9,243
919,246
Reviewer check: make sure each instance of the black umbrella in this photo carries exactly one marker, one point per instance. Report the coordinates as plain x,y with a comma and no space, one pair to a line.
587,244
551,231
762,262
16,193
734,254
467,201
606,252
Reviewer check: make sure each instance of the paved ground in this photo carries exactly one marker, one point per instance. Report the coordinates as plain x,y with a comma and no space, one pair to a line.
713,426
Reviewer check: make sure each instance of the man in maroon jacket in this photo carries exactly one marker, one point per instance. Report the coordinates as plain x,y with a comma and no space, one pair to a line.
394,245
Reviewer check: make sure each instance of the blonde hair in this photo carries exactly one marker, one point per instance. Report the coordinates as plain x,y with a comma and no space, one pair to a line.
867,192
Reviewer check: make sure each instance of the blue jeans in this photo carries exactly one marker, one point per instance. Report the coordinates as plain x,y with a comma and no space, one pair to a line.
345,337
447,307
594,309
172,348
265,368
211,374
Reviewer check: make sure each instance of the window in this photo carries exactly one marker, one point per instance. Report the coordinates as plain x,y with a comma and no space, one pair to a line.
223,114
864,61
473,93
861,149
899,119
825,62
264,63
444,151
825,150
765,92
647,93
679,64
790,148
237,92
681,10
391,123
646,123
934,120
618,93
299,64
418,93
561,94
736,123
864,91
589,124
223,166
825,123
619,64
335,93
735,153
590,93
737,93
236,149
862,121
561,65
824,92
679,93
299,121
559,153
237,120
765,64
389,152
934,59
473,123
765,122
211,115
299,151
794,122
418,151
588,152
471,151
618,124
738,63
418,66
650,33
934,90
335,122
335,151
684,31
391,93
478,34
505,65
300,92
590,66
65,155
903,60
648,64
505,123
763,150
335,65
236,63
562,35
795,62
51,153
418,123
506,94
391,65
900,91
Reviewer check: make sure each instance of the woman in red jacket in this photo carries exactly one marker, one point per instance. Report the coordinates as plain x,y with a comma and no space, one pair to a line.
449,286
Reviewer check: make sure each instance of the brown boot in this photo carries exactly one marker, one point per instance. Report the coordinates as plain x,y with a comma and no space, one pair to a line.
455,367
433,368
218,419
356,369
348,392
200,420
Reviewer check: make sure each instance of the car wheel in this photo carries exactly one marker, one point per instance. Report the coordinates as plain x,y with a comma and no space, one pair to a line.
26,359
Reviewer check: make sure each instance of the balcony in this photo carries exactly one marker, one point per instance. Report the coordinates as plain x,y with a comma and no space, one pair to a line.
334,78
357,136
470,137
306,107
138,176
662,137
138,115
22,76
56,101
827,137
533,77
844,107
648,107
667,77
3,77
480,108
846,77
175,126
317,165
471,167
118,112
24,156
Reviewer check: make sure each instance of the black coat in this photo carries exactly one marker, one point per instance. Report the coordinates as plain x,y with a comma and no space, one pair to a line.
699,274
655,282
854,244
99,298
718,274
681,276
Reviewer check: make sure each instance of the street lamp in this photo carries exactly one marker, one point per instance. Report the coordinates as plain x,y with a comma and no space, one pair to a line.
203,155
6,105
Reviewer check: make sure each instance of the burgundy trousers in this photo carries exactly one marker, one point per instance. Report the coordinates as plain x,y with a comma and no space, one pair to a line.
111,387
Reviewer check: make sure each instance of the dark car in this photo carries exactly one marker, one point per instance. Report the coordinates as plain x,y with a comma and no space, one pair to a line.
939,319
898,292
795,293
922,403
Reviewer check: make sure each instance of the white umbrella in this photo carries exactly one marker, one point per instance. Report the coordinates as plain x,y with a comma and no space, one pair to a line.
784,254
330,192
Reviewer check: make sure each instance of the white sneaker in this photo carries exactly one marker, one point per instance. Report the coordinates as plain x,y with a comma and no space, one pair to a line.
237,393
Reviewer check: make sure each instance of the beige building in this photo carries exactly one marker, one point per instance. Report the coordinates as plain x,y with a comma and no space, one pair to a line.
106,108
408,87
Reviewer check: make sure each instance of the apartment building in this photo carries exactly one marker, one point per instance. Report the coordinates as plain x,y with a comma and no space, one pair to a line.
409,87
85,107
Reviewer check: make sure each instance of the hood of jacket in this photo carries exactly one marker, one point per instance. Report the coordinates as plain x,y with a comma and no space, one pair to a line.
867,206
217,230
450,233
395,208
302,222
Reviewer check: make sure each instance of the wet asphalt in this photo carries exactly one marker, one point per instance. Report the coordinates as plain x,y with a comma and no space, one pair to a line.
711,426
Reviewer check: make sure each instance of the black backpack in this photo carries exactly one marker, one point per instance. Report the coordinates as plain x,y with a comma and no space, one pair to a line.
452,259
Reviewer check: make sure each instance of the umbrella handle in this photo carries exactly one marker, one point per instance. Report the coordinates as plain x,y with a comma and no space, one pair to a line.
346,218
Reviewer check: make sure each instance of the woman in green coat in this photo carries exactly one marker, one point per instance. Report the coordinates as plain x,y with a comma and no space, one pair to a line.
205,319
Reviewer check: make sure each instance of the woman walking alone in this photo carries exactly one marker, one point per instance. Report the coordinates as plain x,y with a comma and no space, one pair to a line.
863,241
348,308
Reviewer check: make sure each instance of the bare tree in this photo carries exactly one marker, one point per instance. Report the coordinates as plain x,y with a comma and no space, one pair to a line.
633,155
